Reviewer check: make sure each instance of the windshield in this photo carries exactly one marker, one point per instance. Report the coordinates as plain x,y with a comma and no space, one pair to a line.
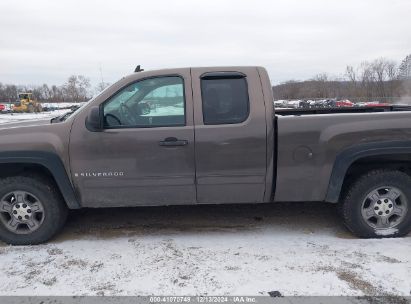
75,109
124,97
24,96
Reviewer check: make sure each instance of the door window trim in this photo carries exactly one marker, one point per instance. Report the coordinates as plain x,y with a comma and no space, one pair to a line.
145,126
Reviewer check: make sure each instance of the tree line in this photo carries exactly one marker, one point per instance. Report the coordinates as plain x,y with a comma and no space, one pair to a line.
77,88
381,78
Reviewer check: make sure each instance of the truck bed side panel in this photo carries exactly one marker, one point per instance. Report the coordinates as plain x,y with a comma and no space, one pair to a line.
308,146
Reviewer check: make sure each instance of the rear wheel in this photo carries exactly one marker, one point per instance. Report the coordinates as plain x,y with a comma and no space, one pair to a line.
378,205
30,108
31,210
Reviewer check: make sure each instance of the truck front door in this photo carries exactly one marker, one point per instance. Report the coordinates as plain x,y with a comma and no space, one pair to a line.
145,153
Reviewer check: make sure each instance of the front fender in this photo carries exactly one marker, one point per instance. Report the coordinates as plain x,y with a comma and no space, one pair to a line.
52,163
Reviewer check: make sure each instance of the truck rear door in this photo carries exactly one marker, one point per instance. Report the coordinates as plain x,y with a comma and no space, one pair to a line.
230,135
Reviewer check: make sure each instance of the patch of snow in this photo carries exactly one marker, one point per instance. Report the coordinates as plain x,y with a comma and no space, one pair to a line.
61,105
15,117
208,250
386,232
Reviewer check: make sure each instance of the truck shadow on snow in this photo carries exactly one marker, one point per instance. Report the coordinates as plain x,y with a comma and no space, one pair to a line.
293,218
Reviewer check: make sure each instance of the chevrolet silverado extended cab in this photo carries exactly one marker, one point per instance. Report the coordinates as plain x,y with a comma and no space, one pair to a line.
204,136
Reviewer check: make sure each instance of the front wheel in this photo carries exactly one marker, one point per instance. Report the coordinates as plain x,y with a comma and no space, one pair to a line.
31,210
30,108
378,205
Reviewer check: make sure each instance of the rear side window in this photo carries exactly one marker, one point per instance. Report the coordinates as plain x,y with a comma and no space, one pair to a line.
225,100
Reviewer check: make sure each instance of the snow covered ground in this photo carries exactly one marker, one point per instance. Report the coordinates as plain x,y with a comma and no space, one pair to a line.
295,249
15,117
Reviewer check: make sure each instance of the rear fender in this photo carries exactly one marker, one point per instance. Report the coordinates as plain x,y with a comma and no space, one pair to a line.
347,157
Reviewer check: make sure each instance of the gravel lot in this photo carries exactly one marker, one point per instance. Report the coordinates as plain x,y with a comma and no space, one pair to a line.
295,249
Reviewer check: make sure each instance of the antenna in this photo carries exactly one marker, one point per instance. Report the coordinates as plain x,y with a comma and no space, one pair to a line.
138,69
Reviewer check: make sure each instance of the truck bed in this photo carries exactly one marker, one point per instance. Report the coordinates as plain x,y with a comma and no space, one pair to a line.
310,111
308,145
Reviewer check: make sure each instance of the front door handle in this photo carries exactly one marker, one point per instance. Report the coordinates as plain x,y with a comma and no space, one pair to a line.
172,142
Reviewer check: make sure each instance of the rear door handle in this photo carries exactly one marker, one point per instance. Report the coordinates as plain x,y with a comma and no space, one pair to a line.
172,142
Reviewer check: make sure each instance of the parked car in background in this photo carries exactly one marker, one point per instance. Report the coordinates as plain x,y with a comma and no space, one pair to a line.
305,104
344,103
376,104
294,104
323,103
280,103
372,104
6,108
47,107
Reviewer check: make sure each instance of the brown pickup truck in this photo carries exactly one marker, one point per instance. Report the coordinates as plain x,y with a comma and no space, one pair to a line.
205,136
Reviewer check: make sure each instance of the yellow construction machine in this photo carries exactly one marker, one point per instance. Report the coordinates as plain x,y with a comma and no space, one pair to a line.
26,104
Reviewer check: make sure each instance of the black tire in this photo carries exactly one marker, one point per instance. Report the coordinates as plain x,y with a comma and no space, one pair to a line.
55,210
30,108
351,206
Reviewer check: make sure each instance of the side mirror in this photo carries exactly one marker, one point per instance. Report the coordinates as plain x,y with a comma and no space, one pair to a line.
93,120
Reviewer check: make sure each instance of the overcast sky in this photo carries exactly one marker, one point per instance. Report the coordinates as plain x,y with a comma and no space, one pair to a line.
46,41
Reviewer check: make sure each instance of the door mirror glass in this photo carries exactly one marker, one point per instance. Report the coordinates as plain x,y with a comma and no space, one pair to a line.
93,120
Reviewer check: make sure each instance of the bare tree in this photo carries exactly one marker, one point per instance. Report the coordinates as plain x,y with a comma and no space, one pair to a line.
320,85
76,88
404,70
101,86
371,79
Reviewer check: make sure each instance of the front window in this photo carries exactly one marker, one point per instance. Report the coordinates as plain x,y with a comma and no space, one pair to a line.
153,102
